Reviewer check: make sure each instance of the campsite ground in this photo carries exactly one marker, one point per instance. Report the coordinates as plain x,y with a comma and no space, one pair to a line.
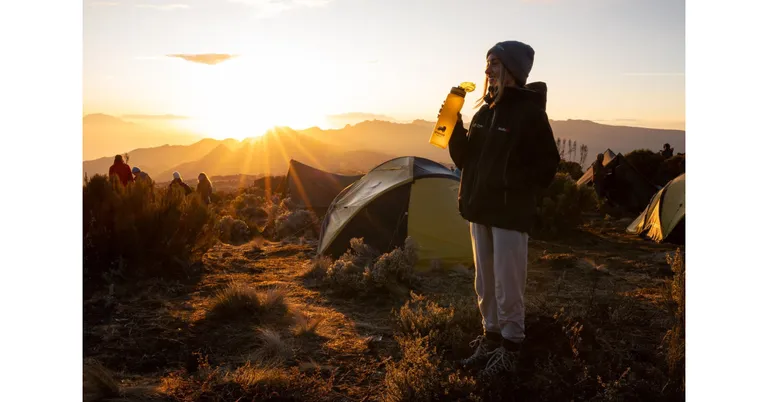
596,306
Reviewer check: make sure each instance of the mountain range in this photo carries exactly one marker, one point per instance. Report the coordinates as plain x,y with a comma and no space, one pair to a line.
109,135
352,149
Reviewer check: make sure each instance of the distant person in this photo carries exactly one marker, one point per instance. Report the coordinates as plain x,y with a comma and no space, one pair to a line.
506,157
138,175
204,188
667,152
121,170
177,181
598,175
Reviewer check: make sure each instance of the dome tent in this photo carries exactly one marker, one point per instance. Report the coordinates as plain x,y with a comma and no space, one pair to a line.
664,217
406,196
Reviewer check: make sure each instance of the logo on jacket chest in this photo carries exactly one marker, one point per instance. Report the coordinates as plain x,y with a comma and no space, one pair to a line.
502,129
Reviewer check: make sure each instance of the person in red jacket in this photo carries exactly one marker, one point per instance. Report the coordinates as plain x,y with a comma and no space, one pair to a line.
121,170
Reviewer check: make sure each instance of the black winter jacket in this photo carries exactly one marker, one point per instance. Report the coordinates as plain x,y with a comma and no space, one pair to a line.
507,156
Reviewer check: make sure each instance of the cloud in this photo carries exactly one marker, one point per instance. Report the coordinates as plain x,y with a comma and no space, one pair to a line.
153,117
164,7
271,8
205,58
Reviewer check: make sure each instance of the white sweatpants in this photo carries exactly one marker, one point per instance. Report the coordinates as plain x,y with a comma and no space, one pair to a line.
501,269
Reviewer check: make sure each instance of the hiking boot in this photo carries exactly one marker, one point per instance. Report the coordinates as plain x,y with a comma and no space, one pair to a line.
500,361
483,344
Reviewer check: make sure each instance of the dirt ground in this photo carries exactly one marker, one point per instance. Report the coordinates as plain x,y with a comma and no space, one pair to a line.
595,307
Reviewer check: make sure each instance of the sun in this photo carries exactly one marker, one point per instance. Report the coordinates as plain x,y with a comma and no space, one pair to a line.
223,126
246,97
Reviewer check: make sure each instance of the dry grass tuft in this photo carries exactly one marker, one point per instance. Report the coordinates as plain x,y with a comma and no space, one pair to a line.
252,376
98,382
304,324
240,301
318,268
272,347
274,302
590,266
236,300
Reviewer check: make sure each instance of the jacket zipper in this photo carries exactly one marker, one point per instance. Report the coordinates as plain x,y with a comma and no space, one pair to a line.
479,161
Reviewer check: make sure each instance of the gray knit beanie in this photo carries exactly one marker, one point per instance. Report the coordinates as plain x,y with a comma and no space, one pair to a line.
517,57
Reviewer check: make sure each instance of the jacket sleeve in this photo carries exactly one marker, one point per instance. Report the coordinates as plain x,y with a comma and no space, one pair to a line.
544,156
458,144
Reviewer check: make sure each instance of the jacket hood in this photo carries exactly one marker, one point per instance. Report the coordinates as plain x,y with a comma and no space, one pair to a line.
535,92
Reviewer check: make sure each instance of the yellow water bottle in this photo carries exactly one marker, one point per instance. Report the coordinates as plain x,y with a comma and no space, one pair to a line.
449,115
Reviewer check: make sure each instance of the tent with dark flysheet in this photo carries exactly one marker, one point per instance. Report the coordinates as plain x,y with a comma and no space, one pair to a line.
624,185
312,187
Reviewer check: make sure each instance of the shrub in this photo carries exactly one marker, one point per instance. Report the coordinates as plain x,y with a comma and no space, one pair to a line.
282,218
363,270
646,162
232,230
561,206
292,223
420,375
669,169
573,169
250,209
151,232
420,317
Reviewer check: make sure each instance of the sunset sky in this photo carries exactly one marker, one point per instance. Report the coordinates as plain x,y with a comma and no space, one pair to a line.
297,62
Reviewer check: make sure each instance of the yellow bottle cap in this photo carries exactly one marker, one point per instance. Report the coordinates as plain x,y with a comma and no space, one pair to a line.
467,86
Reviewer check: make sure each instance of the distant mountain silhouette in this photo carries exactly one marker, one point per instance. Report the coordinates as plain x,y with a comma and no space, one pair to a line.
104,135
160,158
354,148
598,137
270,154
413,138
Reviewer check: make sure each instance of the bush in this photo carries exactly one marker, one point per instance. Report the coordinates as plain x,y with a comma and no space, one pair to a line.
249,208
363,270
232,230
420,375
561,206
420,317
669,169
293,223
646,162
140,231
573,169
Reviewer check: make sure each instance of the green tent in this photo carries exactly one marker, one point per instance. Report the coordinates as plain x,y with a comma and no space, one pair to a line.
664,217
407,196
